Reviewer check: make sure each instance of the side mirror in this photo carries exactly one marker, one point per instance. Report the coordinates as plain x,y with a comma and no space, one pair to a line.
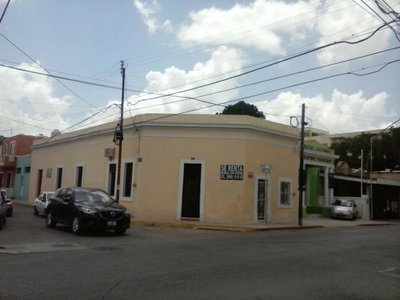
12,197
67,199
355,205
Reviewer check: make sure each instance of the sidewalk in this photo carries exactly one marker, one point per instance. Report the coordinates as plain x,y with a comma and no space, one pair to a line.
311,221
307,223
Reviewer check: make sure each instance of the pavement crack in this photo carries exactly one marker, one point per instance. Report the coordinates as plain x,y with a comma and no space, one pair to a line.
111,289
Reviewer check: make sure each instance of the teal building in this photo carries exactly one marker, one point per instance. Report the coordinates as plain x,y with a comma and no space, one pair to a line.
22,176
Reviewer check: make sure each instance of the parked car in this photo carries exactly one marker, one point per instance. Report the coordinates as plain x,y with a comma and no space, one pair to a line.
3,210
10,207
346,209
87,208
41,202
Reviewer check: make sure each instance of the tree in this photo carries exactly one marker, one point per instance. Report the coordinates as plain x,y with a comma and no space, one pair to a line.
243,108
386,150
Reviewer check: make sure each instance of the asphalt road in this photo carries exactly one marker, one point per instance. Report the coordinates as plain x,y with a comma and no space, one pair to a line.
177,263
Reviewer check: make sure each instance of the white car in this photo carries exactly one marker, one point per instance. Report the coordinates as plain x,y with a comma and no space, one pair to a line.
41,202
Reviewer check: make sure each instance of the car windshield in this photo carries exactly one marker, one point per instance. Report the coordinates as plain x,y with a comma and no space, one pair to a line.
93,196
343,203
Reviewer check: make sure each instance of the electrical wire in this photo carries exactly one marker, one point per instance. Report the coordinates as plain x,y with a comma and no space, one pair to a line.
271,91
270,64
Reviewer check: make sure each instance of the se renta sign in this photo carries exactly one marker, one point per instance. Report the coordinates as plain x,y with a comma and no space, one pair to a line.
231,172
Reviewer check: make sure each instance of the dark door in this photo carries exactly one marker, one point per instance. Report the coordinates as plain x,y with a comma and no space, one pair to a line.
39,182
191,191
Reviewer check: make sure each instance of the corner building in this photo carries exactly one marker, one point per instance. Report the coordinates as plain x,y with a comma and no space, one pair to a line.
220,169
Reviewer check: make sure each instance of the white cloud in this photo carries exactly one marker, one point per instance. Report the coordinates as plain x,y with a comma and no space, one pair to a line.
341,113
28,104
147,10
259,25
223,62
341,21
167,26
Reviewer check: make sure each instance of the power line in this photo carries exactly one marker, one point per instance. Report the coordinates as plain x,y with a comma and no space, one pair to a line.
23,52
270,64
4,11
271,91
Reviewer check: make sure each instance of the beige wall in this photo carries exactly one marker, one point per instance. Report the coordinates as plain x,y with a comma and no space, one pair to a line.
158,177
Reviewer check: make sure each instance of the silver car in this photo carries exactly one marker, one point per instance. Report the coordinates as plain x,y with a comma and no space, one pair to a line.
345,209
41,202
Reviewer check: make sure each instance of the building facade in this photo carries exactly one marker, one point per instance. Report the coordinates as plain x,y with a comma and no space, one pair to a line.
209,168
12,148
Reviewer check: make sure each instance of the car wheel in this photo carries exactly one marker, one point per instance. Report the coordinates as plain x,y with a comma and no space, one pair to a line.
35,211
76,226
120,231
49,220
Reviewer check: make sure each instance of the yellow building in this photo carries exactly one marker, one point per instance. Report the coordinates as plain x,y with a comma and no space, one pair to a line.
210,168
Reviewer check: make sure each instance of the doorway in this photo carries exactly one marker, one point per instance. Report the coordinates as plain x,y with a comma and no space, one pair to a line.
262,196
39,182
191,191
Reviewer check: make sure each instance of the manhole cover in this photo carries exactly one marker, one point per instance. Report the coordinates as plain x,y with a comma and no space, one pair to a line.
392,272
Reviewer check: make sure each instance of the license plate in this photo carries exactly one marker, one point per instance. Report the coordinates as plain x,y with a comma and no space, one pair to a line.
112,224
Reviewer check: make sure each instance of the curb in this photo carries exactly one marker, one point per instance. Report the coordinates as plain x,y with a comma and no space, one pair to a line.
378,224
218,227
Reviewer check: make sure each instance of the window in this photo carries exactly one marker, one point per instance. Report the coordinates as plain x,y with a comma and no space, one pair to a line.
59,177
12,149
27,169
18,170
128,179
285,192
112,175
6,149
1,153
79,176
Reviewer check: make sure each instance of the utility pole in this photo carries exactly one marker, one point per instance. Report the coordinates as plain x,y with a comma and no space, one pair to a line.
119,133
301,167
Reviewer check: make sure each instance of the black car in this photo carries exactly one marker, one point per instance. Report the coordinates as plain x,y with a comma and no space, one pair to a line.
3,210
10,207
86,208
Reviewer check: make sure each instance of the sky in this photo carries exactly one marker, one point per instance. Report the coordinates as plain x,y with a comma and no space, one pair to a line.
60,61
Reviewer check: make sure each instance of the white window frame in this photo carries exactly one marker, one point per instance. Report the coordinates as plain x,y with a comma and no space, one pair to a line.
282,180
180,186
123,178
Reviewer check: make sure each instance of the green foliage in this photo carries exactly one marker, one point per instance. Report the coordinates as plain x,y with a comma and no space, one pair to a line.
243,108
385,150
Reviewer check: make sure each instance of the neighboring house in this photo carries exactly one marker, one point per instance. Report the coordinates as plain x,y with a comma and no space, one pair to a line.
208,168
377,194
12,148
22,176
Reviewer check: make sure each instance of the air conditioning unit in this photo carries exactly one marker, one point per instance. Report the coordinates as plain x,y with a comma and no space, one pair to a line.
109,152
